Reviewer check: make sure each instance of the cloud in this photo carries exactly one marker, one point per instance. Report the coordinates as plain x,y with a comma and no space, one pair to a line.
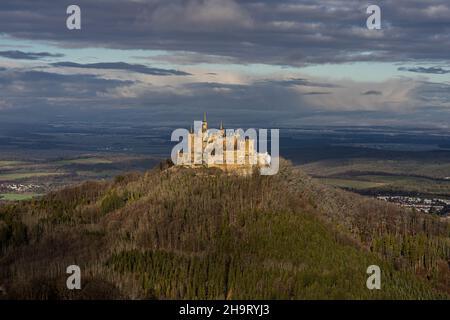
20,55
430,70
317,92
33,88
196,14
4,105
372,93
282,32
189,58
139,68
254,103
433,94
301,82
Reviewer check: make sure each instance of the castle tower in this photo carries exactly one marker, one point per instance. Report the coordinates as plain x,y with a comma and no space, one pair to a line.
221,129
191,145
204,136
204,123
224,142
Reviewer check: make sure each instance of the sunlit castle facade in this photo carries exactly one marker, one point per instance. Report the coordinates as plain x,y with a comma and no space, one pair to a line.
229,150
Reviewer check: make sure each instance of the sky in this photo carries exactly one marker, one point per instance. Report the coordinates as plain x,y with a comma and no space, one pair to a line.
271,63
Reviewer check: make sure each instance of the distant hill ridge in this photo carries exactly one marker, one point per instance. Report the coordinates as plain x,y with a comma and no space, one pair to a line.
200,234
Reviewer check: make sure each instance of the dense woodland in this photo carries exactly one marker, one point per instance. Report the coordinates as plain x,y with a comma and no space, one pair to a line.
175,233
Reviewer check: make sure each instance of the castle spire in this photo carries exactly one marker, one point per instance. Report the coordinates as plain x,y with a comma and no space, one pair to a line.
204,124
222,130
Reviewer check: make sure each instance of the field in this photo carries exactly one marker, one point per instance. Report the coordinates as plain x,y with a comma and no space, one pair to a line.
26,175
434,169
22,180
89,160
351,184
18,196
9,163
391,185
384,177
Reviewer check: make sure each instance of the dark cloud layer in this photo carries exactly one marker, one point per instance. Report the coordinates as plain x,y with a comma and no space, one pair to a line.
39,88
312,93
430,70
301,82
281,32
285,32
372,93
261,103
20,55
139,68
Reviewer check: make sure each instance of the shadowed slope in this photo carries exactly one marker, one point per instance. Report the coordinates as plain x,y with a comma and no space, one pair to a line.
200,234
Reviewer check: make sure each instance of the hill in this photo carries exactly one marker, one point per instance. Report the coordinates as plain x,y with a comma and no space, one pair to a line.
176,233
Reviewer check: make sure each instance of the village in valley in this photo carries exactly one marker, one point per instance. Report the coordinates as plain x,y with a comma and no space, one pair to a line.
434,205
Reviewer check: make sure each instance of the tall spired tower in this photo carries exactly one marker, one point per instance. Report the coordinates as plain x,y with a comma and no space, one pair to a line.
222,129
204,123
204,135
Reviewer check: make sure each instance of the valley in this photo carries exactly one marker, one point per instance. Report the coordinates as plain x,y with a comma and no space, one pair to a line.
376,162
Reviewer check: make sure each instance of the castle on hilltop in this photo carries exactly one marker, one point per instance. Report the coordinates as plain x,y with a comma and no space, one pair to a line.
230,150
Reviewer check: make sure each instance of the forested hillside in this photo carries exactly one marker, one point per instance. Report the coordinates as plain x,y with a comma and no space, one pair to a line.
200,234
